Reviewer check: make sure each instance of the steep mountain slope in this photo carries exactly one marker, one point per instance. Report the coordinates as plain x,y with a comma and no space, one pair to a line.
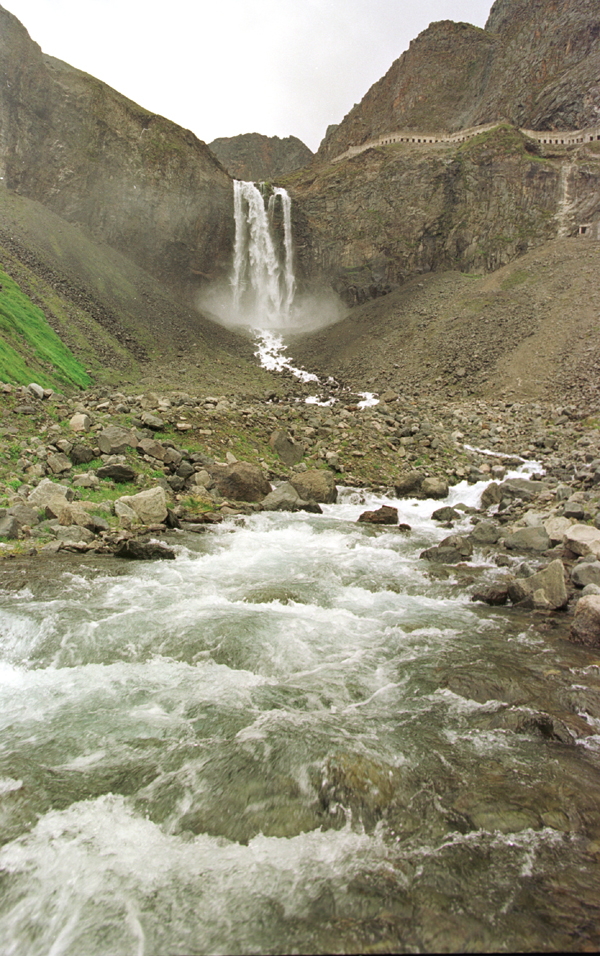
368,223
256,158
536,64
137,181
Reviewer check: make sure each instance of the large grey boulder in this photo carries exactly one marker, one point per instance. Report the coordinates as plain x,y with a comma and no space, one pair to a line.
528,539
290,451
286,498
150,506
451,550
583,539
545,588
48,491
240,481
316,484
484,533
409,485
521,488
434,488
586,623
586,573
115,440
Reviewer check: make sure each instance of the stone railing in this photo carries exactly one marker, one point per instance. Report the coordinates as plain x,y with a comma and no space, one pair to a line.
567,138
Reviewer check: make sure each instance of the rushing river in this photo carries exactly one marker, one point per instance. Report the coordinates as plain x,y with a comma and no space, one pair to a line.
292,738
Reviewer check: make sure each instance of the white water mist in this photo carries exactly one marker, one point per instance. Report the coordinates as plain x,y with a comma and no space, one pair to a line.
262,280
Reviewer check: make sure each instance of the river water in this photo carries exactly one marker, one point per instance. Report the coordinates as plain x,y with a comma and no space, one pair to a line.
292,738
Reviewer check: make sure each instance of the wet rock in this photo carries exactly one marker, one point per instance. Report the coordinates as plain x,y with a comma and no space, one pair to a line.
409,485
446,514
434,488
241,481
495,595
290,451
316,485
352,780
541,724
528,539
122,474
137,550
385,515
484,533
544,589
585,628
492,495
583,539
150,507
284,498
451,550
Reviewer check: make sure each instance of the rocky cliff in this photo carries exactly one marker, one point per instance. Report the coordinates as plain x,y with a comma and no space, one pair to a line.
368,223
256,158
138,182
536,64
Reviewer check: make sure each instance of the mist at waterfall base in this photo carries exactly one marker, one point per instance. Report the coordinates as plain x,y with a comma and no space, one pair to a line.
261,294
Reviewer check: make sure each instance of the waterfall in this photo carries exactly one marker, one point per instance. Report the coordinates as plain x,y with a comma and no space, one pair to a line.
262,280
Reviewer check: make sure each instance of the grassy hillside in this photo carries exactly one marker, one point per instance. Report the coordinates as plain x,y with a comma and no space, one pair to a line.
29,349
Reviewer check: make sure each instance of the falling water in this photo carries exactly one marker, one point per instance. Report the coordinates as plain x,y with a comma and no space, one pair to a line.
263,280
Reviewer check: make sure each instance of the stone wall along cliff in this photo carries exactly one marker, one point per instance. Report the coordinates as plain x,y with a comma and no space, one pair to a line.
138,182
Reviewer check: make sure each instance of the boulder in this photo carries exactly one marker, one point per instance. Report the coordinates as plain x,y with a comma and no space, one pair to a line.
492,495
137,550
545,588
241,481
36,390
446,514
152,421
115,440
528,539
10,527
495,594
152,448
434,488
150,507
583,539
556,528
81,454
316,485
586,623
290,451
25,514
586,573
286,498
384,515
451,550
58,463
47,491
409,485
521,488
120,473
484,533
80,422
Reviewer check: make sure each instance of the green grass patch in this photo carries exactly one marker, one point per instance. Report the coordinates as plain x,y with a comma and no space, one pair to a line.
29,349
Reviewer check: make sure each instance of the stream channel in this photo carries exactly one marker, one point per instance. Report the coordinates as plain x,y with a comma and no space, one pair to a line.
292,738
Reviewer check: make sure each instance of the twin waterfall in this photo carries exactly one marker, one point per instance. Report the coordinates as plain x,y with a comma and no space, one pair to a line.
263,283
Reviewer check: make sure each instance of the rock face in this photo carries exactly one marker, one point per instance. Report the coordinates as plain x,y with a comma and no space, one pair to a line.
536,64
368,223
586,624
257,158
97,159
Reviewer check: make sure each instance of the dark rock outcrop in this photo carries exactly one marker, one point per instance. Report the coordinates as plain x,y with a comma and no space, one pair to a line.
257,158
137,181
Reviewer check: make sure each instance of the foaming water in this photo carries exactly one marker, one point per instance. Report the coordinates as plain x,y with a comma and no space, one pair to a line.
293,737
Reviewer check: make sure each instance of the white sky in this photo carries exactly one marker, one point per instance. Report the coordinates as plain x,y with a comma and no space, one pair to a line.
223,67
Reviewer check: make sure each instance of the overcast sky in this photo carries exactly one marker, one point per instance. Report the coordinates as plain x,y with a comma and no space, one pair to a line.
223,67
